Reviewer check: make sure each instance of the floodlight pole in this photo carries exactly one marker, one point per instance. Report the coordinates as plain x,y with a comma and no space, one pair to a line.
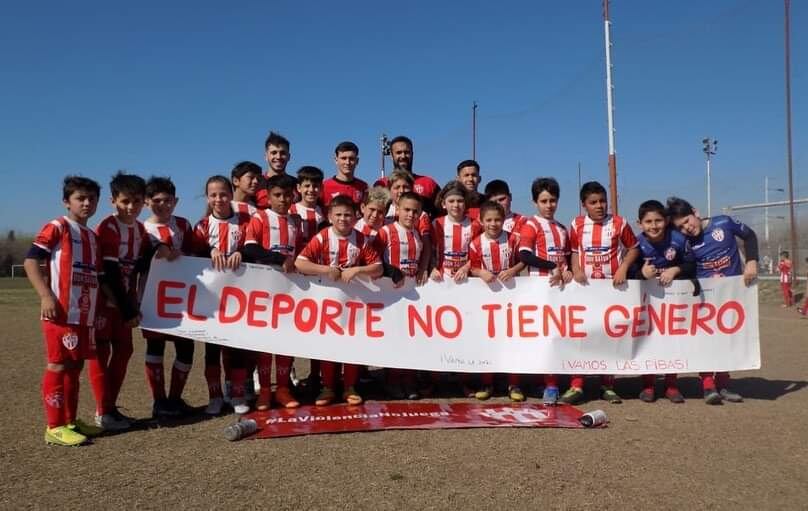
385,150
474,131
607,24
793,234
710,148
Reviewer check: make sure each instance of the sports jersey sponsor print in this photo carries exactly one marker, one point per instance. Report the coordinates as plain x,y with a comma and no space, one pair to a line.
546,239
715,249
310,218
176,234
599,246
494,255
275,232
452,240
330,249
72,268
401,248
123,243
226,235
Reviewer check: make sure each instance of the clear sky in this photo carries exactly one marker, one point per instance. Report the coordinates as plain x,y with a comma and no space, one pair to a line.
187,89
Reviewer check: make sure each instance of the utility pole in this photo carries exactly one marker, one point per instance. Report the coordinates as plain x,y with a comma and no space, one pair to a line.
607,25
793,234
766,191
474,131
385,150
710,148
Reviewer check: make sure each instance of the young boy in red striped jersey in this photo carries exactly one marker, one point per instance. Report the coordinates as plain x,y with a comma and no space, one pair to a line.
544,248
340,253
123,243
603,247
373,209
498,191
494,256
274,237
68,292
170,237
452,235
245,176
400,182
309,184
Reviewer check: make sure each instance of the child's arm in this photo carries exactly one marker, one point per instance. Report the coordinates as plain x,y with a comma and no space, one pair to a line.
620,275
484,274
577,272
462,273
371,270
47,305
506,275
423,262
307,267
750,246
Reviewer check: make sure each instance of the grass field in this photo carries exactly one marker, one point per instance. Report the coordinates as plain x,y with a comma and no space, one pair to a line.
663,456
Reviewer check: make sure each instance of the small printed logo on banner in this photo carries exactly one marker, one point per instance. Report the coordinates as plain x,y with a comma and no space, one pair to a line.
70,340
518,415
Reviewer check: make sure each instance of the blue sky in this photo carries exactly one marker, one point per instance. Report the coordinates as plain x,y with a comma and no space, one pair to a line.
188,89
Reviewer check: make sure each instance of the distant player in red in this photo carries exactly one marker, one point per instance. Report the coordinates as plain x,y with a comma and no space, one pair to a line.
220,235
402,154
544,248
170,237
124,243
603,247
401,247
277,155
246,179
274,238
345,182
373,208
468,173
494,256
400,182
309,186
68,292
452,235
786,276
340,253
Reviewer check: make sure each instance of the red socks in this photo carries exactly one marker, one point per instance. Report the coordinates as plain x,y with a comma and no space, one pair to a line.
54,397
283,365
116,370
71,391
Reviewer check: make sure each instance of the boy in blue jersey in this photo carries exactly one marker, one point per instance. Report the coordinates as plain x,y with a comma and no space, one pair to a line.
712,241
666,255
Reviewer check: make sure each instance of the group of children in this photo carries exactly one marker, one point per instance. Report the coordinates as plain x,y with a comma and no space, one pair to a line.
90,291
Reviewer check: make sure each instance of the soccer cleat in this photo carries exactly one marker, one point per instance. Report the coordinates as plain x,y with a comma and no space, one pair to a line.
484,393
285,398
215,406
516,394
63,435
394,391
352,397
732,397
411,392
264,401
572,396
469,392
647,396
611,396
181,407
85,429
240,406
549,397
162,408
674,396
111,422
325,397
711,397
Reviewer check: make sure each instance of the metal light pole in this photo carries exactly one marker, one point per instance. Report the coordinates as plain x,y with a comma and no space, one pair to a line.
793,234
474,131
766,191
385,150
607,29
710,148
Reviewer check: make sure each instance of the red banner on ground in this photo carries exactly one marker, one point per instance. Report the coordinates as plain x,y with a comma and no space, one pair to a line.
310,420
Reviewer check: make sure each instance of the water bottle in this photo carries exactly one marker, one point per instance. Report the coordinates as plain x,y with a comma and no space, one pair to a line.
241,429
593,419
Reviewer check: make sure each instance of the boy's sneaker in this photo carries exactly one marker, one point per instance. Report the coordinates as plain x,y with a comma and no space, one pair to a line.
63,435
611,396
647,396
550,396
572,396
215,406
515,394
240,406
352,397
484,393
411,392
112,421
732,397
711,397
180,407
88,430
264,401
162,408
675,396
285,398
325,397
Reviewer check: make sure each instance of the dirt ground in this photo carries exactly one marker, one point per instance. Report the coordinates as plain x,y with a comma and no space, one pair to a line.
752,455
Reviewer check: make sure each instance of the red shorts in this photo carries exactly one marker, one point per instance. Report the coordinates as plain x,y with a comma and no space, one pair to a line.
109,325
68,342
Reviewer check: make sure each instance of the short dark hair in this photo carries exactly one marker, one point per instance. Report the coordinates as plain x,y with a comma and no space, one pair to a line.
275,139
651,206
497,187
157,184
468,163
282,181
342,200
545,184
401,138
491,206
218,179
309,173
245,167
129,184
411,196
678,208
784,253
72,184
591,188
345,147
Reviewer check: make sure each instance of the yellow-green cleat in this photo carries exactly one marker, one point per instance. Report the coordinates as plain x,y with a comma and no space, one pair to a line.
85,429
63,435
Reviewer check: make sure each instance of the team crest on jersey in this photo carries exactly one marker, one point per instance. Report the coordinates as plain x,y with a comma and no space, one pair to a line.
70,340
419,189
718,234
670,254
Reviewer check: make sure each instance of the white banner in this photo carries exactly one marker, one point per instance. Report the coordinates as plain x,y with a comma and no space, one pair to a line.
524,326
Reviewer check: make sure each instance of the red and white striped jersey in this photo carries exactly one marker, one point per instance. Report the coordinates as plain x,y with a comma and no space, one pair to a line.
330,249
124,244
176,234
546,239
243,208
494,255
224,234
513,223
365,228
599,246
275,232
311,218
72,269
424,226
452,242
784,267
401,248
